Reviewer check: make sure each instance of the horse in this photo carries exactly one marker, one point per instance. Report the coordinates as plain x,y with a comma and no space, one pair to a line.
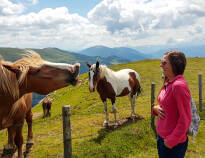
46,103
29,74
26,102
111,84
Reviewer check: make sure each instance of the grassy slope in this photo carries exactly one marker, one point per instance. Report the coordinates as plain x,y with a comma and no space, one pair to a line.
89,139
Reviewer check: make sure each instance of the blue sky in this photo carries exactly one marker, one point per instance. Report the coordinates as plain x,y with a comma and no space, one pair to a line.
78,24
82,7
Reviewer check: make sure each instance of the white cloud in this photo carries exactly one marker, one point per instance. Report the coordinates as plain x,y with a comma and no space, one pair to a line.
145,15
111,23
9,8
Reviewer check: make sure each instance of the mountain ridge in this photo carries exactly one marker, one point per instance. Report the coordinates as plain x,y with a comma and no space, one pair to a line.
122,52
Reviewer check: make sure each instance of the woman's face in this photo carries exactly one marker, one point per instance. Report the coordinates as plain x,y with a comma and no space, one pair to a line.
167,68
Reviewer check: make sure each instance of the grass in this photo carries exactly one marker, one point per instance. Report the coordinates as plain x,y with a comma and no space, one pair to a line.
90,139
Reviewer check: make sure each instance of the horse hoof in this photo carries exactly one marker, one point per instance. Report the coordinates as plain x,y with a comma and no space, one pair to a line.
116,124
10,151
135,117
105,125
29,145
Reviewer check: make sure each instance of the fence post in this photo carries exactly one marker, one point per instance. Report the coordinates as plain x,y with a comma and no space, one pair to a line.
200,92
152,104
67,132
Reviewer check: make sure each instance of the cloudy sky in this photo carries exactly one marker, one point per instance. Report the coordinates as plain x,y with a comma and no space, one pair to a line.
78,24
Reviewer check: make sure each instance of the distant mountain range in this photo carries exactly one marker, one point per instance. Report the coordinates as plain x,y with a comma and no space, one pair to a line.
158,51
121,52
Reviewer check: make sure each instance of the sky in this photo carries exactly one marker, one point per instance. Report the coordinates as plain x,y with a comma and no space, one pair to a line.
78,24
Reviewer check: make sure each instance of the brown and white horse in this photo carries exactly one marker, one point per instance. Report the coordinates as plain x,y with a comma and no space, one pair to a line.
29,74
46,103
111,84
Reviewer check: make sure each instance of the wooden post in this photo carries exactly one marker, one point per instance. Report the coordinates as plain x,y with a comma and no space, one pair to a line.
67,132
152,104
200,92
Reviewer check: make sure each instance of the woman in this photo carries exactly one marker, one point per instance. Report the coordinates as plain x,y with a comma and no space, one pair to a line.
174,109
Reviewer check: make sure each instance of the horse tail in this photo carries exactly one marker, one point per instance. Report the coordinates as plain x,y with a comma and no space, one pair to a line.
139,90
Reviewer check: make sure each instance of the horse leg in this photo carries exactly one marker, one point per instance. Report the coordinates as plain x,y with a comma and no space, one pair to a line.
115,111
29,116
49,110
19,140
44,110
106,115
9,149
132,102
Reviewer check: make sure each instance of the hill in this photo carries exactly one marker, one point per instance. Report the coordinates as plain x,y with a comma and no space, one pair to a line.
90,139
121,52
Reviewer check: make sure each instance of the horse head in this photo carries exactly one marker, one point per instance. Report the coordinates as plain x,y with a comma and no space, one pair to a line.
94,75
37,75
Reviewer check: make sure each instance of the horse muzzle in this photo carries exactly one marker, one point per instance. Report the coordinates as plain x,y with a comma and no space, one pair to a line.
73,79
92,89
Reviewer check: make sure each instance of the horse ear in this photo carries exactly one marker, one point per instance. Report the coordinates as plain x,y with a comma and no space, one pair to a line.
88,64
12,68
97,65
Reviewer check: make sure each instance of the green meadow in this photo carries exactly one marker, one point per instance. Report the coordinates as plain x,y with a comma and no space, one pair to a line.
90,139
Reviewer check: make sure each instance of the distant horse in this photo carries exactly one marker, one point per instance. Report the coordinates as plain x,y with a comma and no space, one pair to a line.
29,74
111,84
25,101
46,103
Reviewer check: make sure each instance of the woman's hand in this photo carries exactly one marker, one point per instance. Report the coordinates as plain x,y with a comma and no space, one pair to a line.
165,143
160,112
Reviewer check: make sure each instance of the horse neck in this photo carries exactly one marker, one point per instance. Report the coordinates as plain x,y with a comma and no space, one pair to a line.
107,73
6,104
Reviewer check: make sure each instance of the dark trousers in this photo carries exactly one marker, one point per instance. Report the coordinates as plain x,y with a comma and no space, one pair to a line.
176,152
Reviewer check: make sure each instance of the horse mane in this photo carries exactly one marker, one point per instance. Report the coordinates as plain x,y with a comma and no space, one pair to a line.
8,80
106,72
9,84
30,59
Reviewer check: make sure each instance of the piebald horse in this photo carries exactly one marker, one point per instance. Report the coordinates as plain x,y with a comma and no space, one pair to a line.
29,74
111,84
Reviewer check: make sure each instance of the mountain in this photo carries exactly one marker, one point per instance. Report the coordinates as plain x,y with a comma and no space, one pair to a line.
158,51
121,52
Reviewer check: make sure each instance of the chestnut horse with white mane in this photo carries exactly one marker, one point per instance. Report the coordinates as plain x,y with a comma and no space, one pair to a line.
29,74
26,106
111,84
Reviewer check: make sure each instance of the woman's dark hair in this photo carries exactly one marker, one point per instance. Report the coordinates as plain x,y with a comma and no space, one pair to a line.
177,60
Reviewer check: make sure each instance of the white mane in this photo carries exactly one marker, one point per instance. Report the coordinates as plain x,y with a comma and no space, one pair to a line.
106,72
